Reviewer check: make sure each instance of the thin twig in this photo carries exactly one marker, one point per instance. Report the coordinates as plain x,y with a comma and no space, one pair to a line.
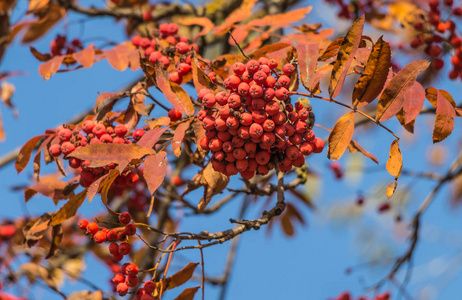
237,44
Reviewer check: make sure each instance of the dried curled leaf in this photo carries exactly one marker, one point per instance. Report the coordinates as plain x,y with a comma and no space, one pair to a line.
444,120
24,154
391,188
354,147
36,229
56,238
69,209
187,294
345,56
373,79
340,136
395,161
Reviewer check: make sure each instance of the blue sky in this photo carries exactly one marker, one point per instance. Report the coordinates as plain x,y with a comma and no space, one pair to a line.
338,235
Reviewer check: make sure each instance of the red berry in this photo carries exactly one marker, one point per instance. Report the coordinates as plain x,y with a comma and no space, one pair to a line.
92,228
131,270
288,69
437,64
125,248
118,278
149,286
130,229
239,68
174,114
55,150
384,207
125,217
147,16
136,40
122,289
318,145
82,224
172,28
137,134
64,134
113,248
100,237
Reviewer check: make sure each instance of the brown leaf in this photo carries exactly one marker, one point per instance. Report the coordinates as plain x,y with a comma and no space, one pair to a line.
50,187
201,21
331,50
239,14
36,229
105,185
178,136
392,99
409,126
40,56
286,224
151,137
174,93
187,294
281,20
155,168
199,133
395,161
345,56
354,147
44,24
85,57
69,209
373,79
180,277
56,238
340,136
101,155
214,182
413,103
444,120
50,67
24,154
307,62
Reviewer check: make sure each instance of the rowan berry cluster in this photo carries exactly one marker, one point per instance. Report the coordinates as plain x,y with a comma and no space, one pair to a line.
125,276
60,45
89,132
347,296
252,126
443,35
167,47
361,6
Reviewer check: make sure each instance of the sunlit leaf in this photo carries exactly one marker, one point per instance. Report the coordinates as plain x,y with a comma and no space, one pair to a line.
283,19
178,137
85,57
239,14
392,99
187,294
444,121
307,62
24,154
414,101
340,136
69,209
180,277
373,79
205,22
354,147
155,168
395,161
47,69
345,56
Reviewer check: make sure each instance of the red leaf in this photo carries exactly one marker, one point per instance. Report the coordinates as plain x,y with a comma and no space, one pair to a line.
151,137
155,167
85,57
307,62
178,137
50,67
413,103
24,154
444,122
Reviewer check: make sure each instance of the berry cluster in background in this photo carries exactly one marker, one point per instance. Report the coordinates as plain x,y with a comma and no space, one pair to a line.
125,276
60,45
347,296
252,126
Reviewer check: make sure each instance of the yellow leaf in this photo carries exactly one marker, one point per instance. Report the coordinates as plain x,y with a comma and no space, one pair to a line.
395,161
340,136
391,188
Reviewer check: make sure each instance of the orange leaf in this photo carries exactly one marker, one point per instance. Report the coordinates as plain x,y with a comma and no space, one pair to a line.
345,56
2,130
392,99
444,122
320,74
307,62
395,161
281,20
178,137
118,57
391,188
355,147
187,294
69,209
371,82
263,51
199,133
37,4
150,138
174,93
155,168
202,21
85,57
181,277
50,67
24,154
103,154
157,122
239,14
340,136
413,103
240,32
